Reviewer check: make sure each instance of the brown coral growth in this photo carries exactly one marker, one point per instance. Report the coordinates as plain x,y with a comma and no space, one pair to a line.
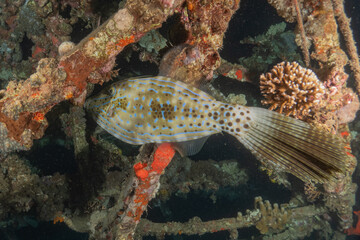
291,89
273,218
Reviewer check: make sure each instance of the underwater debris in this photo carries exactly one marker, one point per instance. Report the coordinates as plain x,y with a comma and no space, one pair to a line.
147,185
291,89
197,226
185,175
277,222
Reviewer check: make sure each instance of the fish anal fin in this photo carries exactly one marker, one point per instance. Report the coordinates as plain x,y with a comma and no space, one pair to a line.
190,147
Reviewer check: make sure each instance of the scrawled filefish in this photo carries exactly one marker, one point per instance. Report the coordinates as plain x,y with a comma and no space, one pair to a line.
158,109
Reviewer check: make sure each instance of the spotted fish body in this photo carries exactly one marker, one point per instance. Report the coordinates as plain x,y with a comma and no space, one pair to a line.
157,109
146,110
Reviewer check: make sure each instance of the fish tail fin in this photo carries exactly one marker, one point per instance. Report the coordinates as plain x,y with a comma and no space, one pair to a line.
307,152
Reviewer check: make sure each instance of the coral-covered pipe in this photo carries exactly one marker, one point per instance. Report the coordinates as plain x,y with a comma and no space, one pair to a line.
23,105
147,187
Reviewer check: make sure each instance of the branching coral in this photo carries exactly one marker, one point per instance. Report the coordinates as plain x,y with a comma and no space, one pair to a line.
291,89
265,217
273,218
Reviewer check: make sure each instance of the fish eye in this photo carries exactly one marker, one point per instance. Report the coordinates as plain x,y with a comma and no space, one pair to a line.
111,91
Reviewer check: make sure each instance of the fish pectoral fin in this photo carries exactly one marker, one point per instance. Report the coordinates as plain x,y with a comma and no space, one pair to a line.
110,112
190,147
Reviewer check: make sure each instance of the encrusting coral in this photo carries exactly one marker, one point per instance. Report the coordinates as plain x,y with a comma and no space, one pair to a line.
291,89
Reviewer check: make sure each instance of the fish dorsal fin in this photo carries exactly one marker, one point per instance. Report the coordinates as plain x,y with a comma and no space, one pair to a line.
190,87
190,147
179,84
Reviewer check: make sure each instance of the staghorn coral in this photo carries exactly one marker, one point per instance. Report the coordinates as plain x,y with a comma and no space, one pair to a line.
291,89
